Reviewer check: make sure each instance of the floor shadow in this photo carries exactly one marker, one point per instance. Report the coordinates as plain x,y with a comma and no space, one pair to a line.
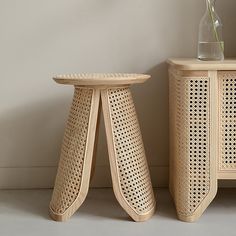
224,198
165,204
102,204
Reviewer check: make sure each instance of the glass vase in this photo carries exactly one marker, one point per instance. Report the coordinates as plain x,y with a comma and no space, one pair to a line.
210,41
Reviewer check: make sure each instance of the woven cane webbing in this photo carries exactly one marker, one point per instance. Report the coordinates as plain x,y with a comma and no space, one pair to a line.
134,179
190,161
227,88
69,174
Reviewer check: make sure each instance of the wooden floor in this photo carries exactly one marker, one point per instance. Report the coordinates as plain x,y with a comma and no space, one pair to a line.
25,212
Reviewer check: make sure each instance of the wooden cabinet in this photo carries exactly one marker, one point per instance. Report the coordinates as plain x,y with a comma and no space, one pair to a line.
202,98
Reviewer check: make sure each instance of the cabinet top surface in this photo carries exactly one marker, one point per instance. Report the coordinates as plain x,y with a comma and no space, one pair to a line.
195,64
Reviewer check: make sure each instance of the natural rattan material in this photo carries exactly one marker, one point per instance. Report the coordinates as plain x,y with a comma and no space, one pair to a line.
132,175
129,169
227,160
202,132
75,160
191,117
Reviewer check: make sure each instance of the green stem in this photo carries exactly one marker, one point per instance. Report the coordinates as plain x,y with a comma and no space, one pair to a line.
214,27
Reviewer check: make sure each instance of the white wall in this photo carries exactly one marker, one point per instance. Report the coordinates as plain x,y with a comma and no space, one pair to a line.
41,38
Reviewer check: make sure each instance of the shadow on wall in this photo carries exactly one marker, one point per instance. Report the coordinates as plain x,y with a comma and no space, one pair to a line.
32,135
154,124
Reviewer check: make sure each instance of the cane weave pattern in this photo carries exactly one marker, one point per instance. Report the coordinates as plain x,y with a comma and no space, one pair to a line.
69,174
227,88
190,155
134,179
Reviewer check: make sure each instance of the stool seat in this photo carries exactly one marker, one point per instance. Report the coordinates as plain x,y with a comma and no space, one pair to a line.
87,79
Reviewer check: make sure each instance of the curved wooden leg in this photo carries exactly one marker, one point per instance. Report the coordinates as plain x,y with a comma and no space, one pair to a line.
72,180
192,198
130,175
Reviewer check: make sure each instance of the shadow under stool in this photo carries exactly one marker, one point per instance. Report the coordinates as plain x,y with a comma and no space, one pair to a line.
129,170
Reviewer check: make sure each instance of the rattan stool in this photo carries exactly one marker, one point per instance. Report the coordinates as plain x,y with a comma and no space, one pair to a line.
129,169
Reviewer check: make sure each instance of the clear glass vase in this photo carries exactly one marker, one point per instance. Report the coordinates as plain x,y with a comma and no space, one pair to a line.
210,41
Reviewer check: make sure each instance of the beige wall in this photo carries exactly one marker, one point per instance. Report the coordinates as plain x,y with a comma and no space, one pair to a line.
41,38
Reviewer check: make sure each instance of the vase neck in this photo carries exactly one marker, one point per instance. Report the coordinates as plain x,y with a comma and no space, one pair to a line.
211,4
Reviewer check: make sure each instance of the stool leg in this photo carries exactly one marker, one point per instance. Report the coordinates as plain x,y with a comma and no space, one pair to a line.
130,175
73,175
96,142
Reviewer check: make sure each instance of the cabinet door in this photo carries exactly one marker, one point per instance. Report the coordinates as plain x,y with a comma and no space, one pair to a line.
227,124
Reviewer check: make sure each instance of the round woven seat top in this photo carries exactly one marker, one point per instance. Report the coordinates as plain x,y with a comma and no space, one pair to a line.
99,79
